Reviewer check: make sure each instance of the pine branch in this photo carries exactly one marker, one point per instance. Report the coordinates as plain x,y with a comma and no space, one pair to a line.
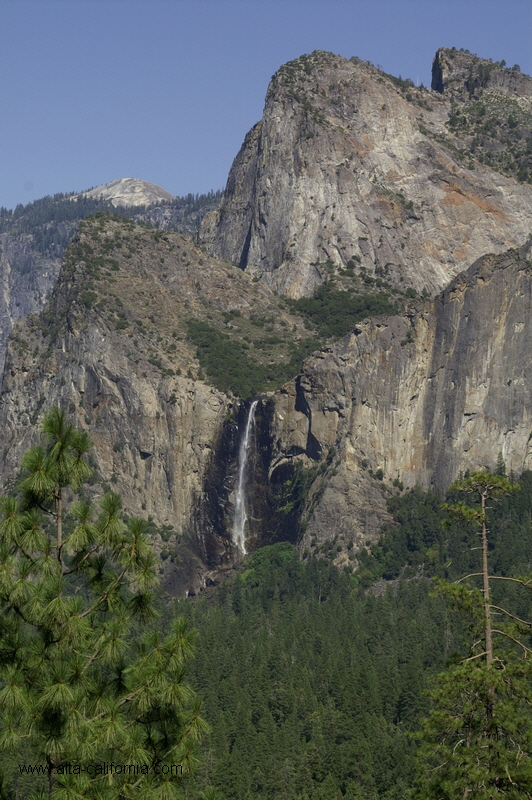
104,596
526,584
513,639
85,557
471,574
522,621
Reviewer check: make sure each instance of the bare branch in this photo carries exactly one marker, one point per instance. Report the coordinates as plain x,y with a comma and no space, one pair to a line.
526,584
516,641
472,658
523,621
471,574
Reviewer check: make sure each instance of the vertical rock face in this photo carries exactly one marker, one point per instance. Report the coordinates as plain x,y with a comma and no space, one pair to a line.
110,347
27,279
413,398
153,434
417,398
349,163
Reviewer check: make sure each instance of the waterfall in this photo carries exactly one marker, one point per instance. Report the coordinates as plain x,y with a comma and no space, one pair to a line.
240,518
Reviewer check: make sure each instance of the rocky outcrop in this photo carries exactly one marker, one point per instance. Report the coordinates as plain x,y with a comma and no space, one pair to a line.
129,192
416,399
350,166
459,74
33,239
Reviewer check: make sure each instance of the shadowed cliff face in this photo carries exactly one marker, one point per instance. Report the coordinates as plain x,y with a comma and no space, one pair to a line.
211,513
348,163
420,397
27,279
214,515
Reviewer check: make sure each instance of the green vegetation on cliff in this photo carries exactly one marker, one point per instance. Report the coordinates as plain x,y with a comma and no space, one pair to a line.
259,354
498,132
335,312
151,286
251,363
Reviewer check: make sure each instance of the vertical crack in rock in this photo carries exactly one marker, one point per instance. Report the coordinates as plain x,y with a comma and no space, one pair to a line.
313,449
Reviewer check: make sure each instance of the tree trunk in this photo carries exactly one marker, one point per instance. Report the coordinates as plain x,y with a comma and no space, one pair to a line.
59,523
485,576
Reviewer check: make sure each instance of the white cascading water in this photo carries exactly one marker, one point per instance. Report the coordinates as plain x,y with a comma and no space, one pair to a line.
241,518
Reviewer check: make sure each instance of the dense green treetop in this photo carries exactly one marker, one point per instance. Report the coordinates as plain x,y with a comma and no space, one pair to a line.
84,682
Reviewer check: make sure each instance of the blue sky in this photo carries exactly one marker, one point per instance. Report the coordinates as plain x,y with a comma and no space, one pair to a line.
165,90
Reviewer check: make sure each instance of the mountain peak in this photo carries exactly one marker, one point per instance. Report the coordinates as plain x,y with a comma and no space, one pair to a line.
355,171
129,192
464,76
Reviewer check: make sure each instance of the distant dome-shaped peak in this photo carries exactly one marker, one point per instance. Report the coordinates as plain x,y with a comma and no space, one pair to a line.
129,192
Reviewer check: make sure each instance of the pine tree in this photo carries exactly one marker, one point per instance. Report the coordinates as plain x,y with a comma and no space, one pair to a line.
500,468
104,709
477,740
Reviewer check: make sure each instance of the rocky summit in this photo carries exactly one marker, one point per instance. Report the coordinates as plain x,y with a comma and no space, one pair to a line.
33,238
128,192
351,166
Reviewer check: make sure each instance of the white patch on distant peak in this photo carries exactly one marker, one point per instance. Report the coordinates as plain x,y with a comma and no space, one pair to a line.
129,192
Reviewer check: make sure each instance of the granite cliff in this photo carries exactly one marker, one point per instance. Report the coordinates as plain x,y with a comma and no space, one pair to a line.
408,399
354,180
350,165
415,399
113,346
129,192
462,75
